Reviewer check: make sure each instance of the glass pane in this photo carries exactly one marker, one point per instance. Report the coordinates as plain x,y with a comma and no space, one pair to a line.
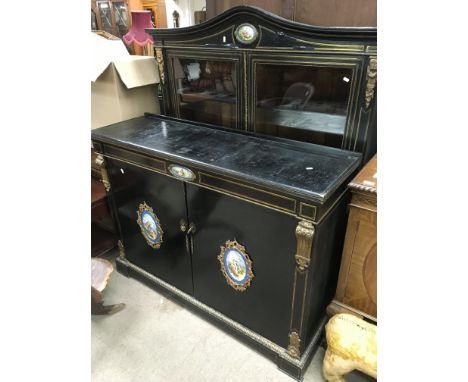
106,18
206,91
120,14
304,103
93,21
153,17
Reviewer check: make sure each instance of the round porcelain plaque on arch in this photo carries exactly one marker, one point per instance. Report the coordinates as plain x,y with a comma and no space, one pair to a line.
246,33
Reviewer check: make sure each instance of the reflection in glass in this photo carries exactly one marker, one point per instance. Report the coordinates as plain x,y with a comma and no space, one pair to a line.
206,91
305,103
120,14
106,18
93,21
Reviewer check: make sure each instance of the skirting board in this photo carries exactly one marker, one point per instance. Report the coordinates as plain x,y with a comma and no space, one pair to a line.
291,366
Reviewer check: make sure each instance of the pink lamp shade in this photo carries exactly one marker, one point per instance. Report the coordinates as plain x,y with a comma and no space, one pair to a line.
137,34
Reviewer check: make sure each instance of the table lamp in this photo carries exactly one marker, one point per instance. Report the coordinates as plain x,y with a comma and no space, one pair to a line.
137,34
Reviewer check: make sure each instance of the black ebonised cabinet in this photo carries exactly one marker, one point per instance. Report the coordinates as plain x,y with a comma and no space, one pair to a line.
250,70
248,230
234,201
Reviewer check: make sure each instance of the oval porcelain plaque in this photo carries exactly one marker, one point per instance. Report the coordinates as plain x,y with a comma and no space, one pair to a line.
246,33
236,265
181,172
150,226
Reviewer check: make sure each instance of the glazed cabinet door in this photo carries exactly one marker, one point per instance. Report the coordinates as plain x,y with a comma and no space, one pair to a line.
150,209
205,87
243,261
314,98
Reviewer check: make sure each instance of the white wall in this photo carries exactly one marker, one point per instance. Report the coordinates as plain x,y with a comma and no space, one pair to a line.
185,9
199,4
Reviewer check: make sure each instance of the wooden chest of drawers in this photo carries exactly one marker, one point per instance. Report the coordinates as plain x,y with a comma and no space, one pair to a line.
357,283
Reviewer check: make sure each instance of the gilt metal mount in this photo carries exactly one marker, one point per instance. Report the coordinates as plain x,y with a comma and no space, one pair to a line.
294,345
105,177
371,80
160,60
304,235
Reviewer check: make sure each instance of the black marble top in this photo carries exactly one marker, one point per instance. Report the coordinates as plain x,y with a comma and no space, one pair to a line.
306,170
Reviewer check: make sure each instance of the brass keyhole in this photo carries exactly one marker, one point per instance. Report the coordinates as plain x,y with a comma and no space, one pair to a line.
183,225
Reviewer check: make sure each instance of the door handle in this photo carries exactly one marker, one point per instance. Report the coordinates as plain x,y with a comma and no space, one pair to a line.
192,229
188,235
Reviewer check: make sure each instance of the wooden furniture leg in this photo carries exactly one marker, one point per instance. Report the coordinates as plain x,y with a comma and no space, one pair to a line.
98,307
101,270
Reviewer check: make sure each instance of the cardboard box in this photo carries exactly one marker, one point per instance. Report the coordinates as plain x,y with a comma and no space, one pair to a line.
122,86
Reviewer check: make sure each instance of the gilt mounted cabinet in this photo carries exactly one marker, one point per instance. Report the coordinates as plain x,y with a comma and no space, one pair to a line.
252,71
234,200
246,229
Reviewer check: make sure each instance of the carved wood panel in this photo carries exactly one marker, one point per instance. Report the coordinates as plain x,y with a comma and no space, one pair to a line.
357,283
370,274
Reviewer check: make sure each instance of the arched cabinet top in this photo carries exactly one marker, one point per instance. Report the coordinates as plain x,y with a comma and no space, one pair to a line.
252,71
246,27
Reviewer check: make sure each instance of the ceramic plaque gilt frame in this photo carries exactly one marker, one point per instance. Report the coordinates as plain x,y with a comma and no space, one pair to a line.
181,172
246,33
236,265
150,226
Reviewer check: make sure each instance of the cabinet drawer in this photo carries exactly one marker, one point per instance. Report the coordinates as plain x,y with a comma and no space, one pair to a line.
135,158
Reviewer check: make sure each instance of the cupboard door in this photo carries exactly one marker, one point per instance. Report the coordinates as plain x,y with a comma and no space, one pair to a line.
357,285
270,243
206,88
162,252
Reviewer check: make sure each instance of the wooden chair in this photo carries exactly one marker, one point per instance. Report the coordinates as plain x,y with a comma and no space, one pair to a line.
101,270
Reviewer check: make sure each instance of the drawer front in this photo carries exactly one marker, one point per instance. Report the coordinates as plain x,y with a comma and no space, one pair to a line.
165,198
225,184
132,157
270,244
